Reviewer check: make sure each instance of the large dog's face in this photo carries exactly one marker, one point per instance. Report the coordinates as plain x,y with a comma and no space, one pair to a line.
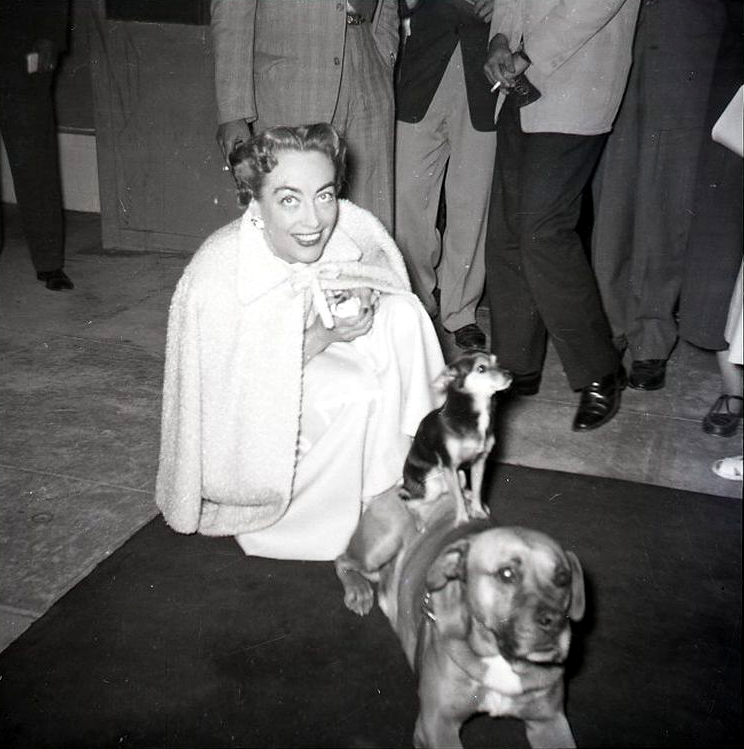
521,591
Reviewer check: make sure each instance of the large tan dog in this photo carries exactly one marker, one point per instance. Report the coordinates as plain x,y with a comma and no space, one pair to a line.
482,612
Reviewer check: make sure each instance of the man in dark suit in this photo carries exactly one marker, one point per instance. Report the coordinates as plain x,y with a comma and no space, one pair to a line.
577,54
445,132
32,34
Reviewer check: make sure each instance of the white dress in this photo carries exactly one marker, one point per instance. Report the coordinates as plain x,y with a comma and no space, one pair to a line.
362,404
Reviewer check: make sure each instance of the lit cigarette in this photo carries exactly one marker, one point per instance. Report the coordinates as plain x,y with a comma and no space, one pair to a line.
495,86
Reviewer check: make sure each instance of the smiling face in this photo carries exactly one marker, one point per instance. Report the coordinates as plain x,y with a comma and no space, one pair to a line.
298,205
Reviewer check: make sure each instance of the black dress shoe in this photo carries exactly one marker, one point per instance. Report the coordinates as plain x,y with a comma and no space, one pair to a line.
525,384
470,336
599,402
647,374
723,417
56,280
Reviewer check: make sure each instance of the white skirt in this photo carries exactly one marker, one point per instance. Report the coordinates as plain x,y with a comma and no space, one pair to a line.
362,404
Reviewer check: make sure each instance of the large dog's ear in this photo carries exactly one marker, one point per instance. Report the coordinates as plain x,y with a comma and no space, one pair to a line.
449,565
578,598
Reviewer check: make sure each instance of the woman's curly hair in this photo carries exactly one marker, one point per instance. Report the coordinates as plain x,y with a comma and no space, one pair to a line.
251,161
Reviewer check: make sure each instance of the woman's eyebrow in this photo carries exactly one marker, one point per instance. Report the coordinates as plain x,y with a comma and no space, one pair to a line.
297,190
286,187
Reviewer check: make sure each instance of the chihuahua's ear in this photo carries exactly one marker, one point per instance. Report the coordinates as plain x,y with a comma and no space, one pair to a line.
449,565
444,379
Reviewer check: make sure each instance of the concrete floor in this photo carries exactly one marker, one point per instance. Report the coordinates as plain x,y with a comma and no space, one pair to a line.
80,407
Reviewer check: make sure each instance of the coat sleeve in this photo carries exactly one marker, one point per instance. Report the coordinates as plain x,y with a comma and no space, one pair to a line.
179,481
506,20
233,24
565,28
386,29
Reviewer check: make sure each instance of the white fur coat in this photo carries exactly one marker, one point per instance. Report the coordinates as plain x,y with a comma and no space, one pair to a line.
232,393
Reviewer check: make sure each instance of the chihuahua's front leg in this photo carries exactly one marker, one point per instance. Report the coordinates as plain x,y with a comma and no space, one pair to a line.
477,471
453,481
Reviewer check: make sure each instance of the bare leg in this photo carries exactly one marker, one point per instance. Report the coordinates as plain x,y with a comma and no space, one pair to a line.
454,487
731,374
477,471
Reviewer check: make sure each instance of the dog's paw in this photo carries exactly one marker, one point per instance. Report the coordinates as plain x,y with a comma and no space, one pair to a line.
479,511
474,508
359,595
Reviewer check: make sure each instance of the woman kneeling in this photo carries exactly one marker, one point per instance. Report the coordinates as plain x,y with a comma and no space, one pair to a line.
298,362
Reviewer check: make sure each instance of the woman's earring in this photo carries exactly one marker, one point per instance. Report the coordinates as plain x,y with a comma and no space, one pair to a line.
258,222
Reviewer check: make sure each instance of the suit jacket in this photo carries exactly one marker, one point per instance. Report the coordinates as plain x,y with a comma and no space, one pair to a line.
281,60
581,53
436,27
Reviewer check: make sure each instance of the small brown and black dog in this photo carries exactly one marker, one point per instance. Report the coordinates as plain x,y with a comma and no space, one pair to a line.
457,435
483,614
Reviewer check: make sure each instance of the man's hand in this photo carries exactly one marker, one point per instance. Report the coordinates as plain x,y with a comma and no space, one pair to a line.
483,9
499,67
48,54
229,134
502,65
520,62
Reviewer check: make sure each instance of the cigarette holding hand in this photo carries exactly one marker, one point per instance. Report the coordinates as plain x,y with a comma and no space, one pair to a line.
495,86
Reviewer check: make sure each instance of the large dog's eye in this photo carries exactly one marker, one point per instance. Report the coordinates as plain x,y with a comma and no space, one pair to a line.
506,574
481,368
562,578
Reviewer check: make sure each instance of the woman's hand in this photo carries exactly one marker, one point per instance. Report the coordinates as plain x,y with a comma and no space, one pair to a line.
349,302
348,328
318,338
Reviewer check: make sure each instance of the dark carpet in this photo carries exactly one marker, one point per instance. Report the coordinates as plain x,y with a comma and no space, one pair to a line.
181,641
